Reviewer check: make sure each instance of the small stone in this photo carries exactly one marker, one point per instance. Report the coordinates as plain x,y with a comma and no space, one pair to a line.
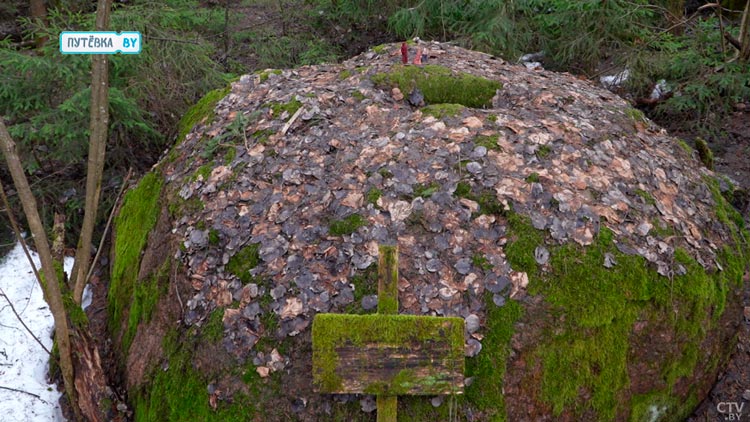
122,407
609,260
262,371
368,404
436,401
278,292
298,405
416,98
498,300
463,266
396,94
479,152
473,347
541,255
199,238
473,167
746,395
471,323
369,302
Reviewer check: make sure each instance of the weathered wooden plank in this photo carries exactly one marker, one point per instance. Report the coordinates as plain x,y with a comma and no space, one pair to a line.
388,354
388,279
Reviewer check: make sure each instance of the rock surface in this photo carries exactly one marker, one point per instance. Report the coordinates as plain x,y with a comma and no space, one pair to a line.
312,168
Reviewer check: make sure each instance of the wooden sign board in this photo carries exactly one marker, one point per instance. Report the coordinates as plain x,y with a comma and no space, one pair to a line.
388,354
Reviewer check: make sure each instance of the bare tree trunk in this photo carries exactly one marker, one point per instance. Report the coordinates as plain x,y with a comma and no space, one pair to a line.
38,11
745,34
51,285
99,128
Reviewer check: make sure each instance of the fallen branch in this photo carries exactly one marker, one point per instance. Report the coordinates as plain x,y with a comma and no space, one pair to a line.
291,121
23,392
13,308
106,228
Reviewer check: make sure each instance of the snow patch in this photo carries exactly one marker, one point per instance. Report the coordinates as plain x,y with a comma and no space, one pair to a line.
23,362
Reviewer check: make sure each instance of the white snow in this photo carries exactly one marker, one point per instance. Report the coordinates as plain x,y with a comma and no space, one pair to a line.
23,362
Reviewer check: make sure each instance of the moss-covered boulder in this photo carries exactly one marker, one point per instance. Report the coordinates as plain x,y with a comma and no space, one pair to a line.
593,258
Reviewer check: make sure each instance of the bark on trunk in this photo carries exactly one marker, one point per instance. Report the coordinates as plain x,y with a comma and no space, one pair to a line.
51,286
99,128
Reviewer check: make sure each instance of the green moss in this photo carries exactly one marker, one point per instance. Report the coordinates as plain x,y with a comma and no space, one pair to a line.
635,115
331,331
481,262
213,330
358,95
345,74
243,261
488,367
594,309
704,153
230,156
203,171
463,190
266,73
262,135
385,173
647,197
179,392
425,191
347,226
202,110
440,85
213,237
492,118
277,109
487,199
179,207
146,294
533,178
443,110
135,220
373,195
380,49
365,283
685,147
543,151
489,142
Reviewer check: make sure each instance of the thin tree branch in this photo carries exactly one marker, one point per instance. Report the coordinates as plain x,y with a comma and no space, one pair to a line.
23,392
21,240
106,228
13,308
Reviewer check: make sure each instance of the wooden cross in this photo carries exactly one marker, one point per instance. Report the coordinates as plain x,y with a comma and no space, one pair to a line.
387,354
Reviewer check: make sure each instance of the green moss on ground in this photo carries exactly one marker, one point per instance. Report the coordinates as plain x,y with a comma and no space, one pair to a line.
180,393
203,109
213,328
425,191
243,261
647,197
489,142
372,195
145,296
488,368
440,85
135,220
487,199
291,107
358,95
365,283
443,110
594,309
263,75
346,226
532,178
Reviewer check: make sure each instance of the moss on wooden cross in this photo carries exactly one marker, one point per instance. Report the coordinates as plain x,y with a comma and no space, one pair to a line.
388,354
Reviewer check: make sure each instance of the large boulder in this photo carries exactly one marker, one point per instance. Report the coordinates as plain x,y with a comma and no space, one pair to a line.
593,258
